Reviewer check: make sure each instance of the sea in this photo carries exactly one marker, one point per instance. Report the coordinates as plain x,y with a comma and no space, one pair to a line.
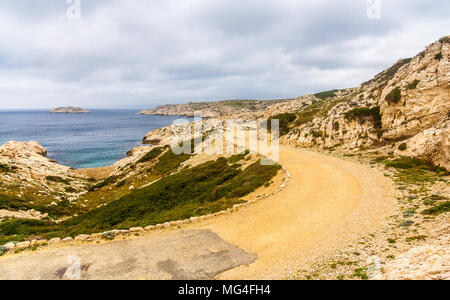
92,140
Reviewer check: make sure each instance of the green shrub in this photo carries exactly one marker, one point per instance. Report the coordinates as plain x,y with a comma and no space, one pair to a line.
361,274
108,181
362,113
413,170
56,179
394,96
316,134
151,155
438,56
336,126
439,209
285,121
326,95
403,147
415,163
121,184
413,85
170,162
64,208
7,169
238,157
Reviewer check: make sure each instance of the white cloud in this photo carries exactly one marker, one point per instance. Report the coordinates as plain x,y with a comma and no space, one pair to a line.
140,53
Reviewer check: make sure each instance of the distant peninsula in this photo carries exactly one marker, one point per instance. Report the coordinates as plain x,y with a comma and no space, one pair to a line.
214,109
69,110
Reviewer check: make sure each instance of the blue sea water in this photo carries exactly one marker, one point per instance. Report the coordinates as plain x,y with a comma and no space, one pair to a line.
81,140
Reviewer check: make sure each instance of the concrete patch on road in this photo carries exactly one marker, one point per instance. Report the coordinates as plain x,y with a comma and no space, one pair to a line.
190,254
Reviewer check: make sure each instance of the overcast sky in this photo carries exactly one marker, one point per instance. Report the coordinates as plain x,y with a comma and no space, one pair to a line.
140,53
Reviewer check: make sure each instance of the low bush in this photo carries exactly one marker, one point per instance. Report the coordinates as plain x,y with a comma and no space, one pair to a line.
64,208
151,155
170,162
326,94
285,122
439,209
56,179
363,113
403,147
438,56
394,96
6,169
238,157
207,188
413,170
121,184
413,85
108,181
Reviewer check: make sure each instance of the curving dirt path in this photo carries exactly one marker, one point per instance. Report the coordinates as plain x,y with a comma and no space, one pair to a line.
327,204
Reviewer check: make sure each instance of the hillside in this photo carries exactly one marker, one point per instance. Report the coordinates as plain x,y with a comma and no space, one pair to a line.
403,111
213,109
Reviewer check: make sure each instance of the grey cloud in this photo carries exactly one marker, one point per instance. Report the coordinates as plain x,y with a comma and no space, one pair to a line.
142,53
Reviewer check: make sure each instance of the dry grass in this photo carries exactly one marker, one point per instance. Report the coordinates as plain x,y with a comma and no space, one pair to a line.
95,173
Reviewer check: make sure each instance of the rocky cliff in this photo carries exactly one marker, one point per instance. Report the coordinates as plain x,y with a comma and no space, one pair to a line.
404,110
213,109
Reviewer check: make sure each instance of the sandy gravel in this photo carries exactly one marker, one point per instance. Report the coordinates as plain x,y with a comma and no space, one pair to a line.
328,204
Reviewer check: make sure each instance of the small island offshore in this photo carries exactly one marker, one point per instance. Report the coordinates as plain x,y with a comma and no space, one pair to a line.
69,110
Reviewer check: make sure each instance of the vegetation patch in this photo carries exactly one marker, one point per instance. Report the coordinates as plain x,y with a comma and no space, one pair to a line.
390,73
326,94
3,250
438,209
108,181
7,169
361,274
285,122
169,162
413,85
207,188
238,157
438,56
121,184
416,170
403,147
394,96
56,179
151,155
364,113
416,238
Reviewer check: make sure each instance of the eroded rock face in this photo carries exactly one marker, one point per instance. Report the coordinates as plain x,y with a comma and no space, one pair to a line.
26,167
419,117
29,149
425,94
427,262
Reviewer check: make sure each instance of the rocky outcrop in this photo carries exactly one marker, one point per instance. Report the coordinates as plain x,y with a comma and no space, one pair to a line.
408,105
426,262
26,150
212,109
404,111
69,110
24,166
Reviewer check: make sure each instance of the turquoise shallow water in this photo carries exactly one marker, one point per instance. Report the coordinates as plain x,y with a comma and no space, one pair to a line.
81,140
